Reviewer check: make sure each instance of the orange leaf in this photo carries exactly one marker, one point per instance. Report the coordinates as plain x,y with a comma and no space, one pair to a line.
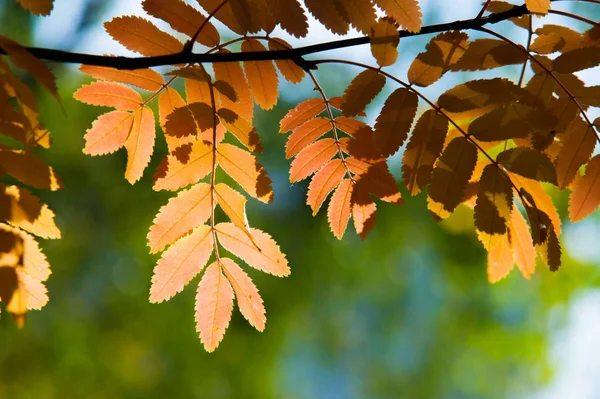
327,13
248,299
37,7
214,304
233,74
384,41
108,133
528,163
244,132
262,76
180,263
577,149
185,170
258,250
24,210
500,260
443,51
521,243
246,171
142,36
288,68
450,176
29,169
363,213
361,91
290,15
23,59
538,6
183,18
543,201
485,54
395,120
233,204
145,79
323,182
423,149
168,101
140,143
585,197
306,134
190,120
361,14
312,158
109,94
340,208
181,214
375,178
493,207
24,268
197,92
303,112
406,12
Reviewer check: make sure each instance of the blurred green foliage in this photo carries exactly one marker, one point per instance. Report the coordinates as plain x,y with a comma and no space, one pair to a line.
407,313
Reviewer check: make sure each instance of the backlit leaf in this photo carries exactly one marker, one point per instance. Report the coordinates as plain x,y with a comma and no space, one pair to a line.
140,143
423,149
395,120
576,60
406,12
327,13
493,207
249,301
486,53
180,263
183,171
22,209
108,133
288,68
233,74
259,251
183,18
521,243
538,6
362,90
262,76
214,304
528,163
246,171
323,182
38,7
577,149
450,176
182,213
109,94
340,208
306,134
384,41
142,36
303,112
585,197
146,79
312,158
443,51
500,260
233,204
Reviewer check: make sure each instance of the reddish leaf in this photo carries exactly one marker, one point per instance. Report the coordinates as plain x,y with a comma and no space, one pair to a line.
312,158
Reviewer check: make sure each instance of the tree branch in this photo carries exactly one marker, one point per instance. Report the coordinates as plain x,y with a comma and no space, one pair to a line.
295,54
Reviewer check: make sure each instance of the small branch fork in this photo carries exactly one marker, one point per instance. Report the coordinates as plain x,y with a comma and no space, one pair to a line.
296,54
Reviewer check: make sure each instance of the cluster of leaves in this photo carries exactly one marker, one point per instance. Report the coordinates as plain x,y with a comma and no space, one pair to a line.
483,143
23,267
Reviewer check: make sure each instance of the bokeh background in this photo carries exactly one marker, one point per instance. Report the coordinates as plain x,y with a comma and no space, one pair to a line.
406,313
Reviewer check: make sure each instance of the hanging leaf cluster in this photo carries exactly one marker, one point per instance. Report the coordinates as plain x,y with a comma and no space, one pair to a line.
491,144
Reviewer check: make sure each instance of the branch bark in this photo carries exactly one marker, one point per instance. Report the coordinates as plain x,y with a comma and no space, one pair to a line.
297,54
